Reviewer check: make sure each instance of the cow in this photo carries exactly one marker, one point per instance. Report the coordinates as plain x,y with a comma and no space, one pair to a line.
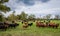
30,24
22,22
1,23
53,25
13,25
25,25
41,24
3,26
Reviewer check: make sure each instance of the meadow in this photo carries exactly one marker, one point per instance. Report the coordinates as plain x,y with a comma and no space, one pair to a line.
32,31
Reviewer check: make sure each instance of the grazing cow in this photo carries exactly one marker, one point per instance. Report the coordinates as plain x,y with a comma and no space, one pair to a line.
3,26
40,24
1,23
25,25
37,24
13,25
22,22
6,25
30,24
54,25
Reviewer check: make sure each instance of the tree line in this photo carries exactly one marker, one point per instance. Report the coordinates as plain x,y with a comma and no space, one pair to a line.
22,16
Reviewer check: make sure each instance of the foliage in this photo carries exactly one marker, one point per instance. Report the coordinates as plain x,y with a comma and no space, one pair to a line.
22,16
2,18
57,16
48,16
31,17
3,1
3,7
12,17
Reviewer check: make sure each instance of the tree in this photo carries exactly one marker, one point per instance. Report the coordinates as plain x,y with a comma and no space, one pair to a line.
2,18
23,16
57,16
31,17
12,17
19,17
48,16
3,7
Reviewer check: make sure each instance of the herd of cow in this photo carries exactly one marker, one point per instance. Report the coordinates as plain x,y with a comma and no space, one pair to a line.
42,24
5,26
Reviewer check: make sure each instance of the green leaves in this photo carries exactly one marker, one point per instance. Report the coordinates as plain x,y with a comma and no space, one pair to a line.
48,16
3,1
4,8
22,16
1,17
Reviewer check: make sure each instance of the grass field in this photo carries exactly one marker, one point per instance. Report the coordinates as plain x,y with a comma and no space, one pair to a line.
32,31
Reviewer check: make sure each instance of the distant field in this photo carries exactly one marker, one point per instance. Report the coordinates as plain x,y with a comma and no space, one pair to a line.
32,31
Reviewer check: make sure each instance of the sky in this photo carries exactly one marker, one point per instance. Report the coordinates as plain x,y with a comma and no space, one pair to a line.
36,7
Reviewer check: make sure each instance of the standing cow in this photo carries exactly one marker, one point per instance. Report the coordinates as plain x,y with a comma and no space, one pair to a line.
25,25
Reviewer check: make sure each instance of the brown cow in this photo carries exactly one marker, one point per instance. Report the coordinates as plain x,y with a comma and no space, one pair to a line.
25,25
53,25
40,24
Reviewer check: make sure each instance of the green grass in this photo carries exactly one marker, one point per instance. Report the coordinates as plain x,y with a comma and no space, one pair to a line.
32,31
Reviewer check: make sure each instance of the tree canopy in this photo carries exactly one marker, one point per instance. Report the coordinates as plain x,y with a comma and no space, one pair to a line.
3,7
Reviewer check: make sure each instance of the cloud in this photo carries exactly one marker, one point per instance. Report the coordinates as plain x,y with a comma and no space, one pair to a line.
16,3
37,7
28,2
44,1
31,2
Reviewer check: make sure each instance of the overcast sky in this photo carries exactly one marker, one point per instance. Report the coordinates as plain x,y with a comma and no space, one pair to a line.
37,7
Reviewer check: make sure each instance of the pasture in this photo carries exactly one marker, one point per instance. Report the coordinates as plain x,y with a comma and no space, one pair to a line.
32,31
